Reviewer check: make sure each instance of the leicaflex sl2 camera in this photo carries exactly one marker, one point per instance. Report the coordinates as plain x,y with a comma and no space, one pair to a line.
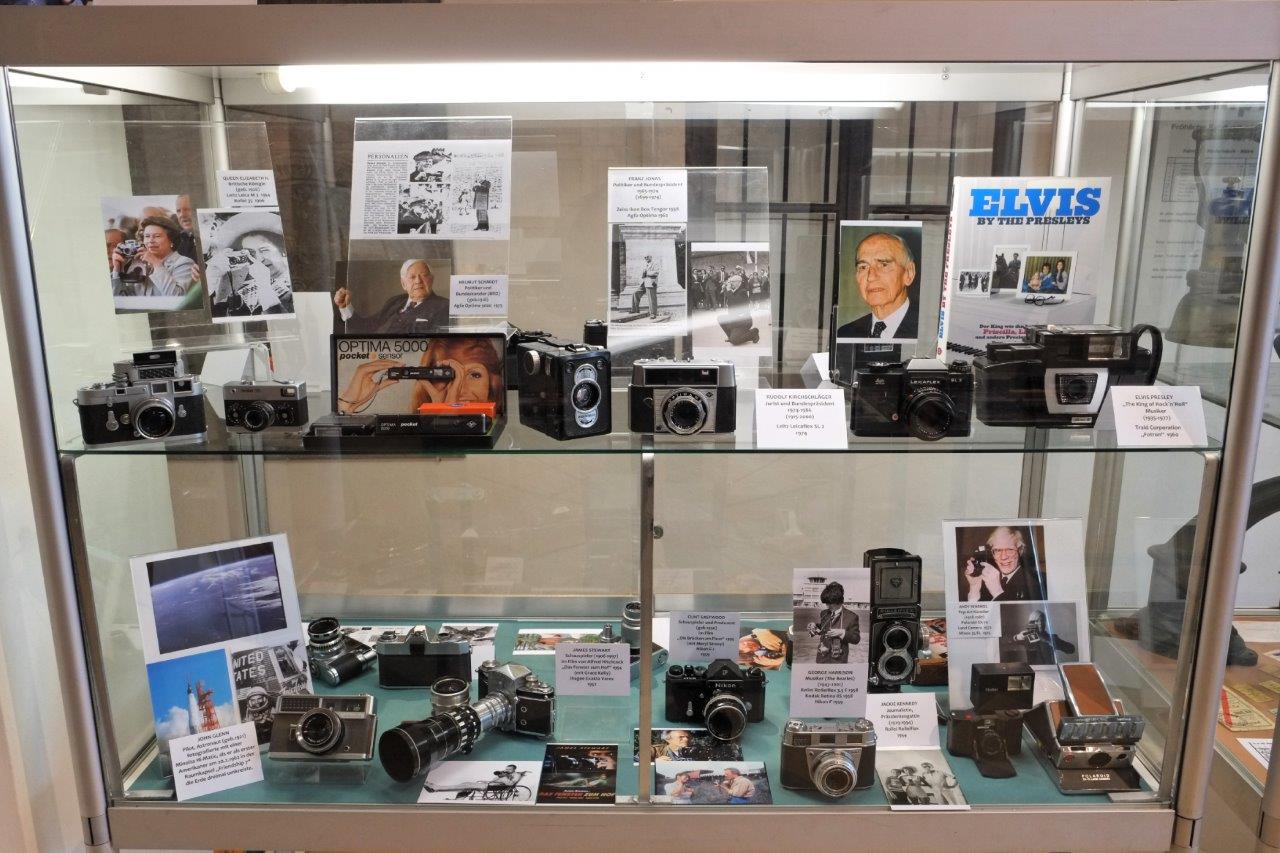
323,728
564,388
1059,375
724,697
336,657
417,657
920,398
257,405
683,397
833,758
150,397
895,618
511,699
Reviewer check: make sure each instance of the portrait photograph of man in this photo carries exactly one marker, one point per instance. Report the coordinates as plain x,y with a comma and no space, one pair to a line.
878,296
1039,633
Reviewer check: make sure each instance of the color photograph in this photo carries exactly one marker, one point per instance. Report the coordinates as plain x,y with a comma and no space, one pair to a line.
190,695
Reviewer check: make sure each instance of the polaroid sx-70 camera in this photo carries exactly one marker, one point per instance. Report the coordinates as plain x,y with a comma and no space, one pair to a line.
149,397
419,656
895,618
323,728
1059,375
564,388
335,656
831,757
921,398
991,730
683,397
724,697
257,405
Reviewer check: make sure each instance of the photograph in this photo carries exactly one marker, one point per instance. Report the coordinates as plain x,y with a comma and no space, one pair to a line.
421,208
579,773
973,282
246,270
647,280
543,641
367,378
1047,274
711,783
512,782
152,258
1001,562
190,695
691,744
264,673
763,647
394,296
1006,267
832,617
475,192
474,632
918,778
429,165
1039,634
729,303
878,290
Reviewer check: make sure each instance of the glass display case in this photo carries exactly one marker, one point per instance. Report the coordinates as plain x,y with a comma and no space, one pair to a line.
695,210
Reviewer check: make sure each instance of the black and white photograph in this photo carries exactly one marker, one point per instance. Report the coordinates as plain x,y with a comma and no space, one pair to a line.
262,674
152,257
246,269
1048,275
729,302
475,193
1007,263
878,290
429,165
488,782
832,617
712,783
420,209
691,744
973,282
918,779
1041,633
1005,562
647,280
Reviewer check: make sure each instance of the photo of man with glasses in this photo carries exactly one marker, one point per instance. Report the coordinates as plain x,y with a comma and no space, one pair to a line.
1002,563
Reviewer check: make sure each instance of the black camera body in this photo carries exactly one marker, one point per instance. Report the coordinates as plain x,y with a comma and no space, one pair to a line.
989,739
834,758
1001,687
255,406
723,696
1058,376
148,398
323,728
687,397
895,618
564,388
417,657
922,400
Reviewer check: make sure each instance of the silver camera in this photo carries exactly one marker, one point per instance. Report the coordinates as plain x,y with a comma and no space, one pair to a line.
323,728
683,397
148,398
335,656
258,405
832,758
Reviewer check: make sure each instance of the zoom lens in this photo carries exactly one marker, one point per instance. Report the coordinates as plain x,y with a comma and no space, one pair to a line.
410,749
258,416
834,773
929,415
725,716
319,731
154,418
585,395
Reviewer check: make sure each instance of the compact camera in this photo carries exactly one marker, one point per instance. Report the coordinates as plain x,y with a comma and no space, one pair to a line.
1058,376
724,697
323,728
833,758
511,699
334,655
131,272
631,636
989,739
564,388
254,405
150,397
1001,687
418,656
895,618
682,397
920,398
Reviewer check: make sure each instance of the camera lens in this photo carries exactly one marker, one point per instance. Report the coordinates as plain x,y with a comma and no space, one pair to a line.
410,749
895,666
1075,389
319,730
154,418
684,413
586,395
897,637
258,417
929,415
990,744
725,716
449,692
834,774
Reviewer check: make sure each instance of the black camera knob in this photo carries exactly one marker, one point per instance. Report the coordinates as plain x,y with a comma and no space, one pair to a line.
755,672
676,671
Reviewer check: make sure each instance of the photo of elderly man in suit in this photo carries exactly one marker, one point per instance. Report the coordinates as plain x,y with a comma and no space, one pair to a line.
885,270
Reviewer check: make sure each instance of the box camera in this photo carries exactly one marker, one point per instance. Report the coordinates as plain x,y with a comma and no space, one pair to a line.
517,337
511,699
254,406
148,398
989,739
1001,687
833,758
724,697
1059,375
895,618
417,657
323,728
334,655
683,397
921,399
564,388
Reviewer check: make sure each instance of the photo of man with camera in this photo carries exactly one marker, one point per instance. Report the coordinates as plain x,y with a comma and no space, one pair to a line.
1007,564
1039,634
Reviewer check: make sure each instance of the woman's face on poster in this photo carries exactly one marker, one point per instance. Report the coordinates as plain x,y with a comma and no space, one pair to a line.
156,240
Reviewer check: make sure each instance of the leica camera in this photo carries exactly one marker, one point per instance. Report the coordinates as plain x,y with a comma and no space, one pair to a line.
895,618
255,406
682,397
1058,376
833,758
418,656
989,739
129,249
511,699
334,655
921,398
1001,687
323,728
148,398
724,697
564,388
631,636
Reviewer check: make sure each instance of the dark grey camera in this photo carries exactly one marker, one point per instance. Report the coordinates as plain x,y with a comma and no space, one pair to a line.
833,758
335,657
683,397
323,728
255,406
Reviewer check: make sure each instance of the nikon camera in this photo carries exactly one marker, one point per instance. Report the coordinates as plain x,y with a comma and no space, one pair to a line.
895,618
258,405
683,397
148,398
921,398
831,757
323,728
564,388
724,697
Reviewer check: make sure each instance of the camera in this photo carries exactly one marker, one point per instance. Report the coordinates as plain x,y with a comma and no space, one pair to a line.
418,656
129,249
564,388
920,398
511,699
723,696
1001,687
683,397
833,758
254,406
516,338
323,728
895,618
595,333
631,636
148,398
989,739
336,657
1058,376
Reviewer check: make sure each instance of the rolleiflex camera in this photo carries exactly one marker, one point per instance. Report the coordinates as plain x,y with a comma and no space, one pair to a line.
724,697
921,398
631,636
334,655
895,618
683,397
564,388
1059,375
417,657
323,728
148,398
991,730
258,405
833,758
511,699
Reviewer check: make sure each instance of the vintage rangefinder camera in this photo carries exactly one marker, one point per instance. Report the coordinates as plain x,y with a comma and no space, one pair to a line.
323,728
989,739
1059,375
724,697
895,618
564,388
334,655
417,657
683,397
834,758
258,405
511,699
148,398
1001,687
921,398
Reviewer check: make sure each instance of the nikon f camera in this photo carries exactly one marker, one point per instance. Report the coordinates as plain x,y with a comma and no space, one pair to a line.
920,398
683,397
564,388
259,405
419,656
833,758
895,618
148,398
724,697
323,728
